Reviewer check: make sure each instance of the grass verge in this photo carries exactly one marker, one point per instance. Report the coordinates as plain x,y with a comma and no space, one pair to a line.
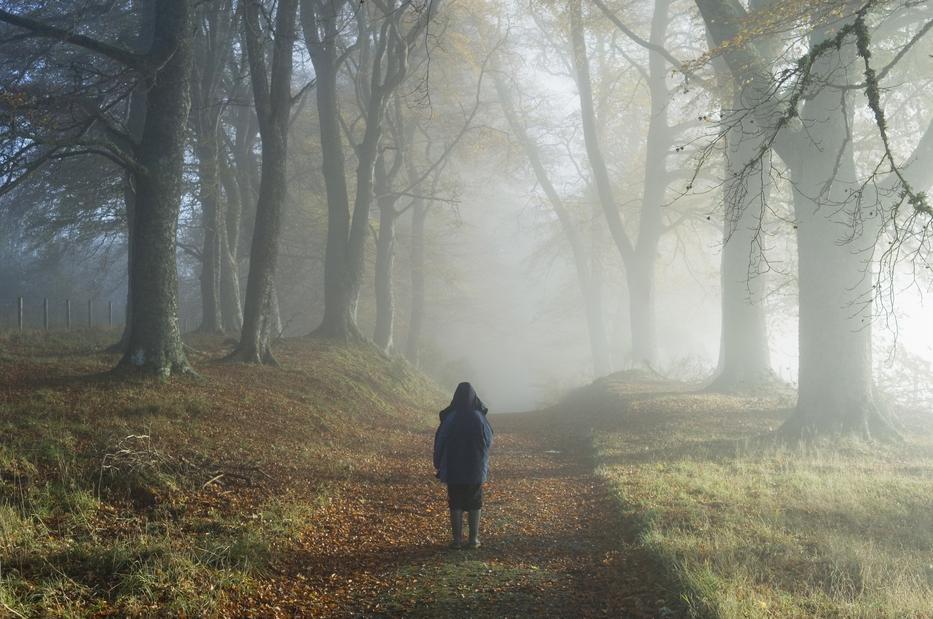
135,498
754,530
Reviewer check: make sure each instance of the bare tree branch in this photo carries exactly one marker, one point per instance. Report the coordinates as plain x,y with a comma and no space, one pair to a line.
123,56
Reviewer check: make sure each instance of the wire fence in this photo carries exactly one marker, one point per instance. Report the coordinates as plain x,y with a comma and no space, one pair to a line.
25,313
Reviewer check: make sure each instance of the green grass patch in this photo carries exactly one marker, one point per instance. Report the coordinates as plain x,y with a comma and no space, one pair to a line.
149,498
63,556
756,530
51,346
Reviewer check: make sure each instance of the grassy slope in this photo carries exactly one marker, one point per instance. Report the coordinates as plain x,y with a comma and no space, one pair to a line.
123,497
753,530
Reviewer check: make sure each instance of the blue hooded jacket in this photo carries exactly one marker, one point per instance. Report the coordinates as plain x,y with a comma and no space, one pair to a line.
463,439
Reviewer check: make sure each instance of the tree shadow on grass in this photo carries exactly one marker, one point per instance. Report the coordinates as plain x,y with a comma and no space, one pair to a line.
717,450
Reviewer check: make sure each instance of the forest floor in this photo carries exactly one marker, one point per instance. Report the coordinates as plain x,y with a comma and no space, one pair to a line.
308,490
553,545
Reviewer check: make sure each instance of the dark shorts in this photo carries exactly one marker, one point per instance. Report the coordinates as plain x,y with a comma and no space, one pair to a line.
465,496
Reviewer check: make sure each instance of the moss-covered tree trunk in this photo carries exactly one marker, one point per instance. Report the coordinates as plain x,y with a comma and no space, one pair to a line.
835,376
834,257
154,343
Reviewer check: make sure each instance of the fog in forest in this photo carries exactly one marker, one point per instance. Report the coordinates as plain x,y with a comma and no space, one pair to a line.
571,172
466,308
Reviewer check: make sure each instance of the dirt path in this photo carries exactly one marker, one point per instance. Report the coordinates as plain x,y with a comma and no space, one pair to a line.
553,545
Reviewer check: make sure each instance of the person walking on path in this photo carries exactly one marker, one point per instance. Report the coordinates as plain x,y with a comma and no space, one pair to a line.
461,457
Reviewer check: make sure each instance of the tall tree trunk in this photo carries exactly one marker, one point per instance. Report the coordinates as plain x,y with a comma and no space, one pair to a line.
641,269
154,344
744,360
320,23
385,259
419,216
212,41
597,161
212,221
232,309
272,96
338,319
835,380
593,296
366,152
135,123
382,66
639,275
638,259
240,186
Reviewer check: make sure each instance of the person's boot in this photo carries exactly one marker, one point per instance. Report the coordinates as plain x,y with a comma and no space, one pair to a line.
456,527
474,529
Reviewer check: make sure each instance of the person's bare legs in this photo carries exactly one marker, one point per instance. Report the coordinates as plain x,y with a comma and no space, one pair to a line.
456,527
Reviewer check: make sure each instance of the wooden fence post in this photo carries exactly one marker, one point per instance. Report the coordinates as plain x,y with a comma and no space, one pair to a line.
110,314
45,313
90,316
68,314
19,312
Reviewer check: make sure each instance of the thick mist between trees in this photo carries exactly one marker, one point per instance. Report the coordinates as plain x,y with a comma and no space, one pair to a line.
528,195
671,258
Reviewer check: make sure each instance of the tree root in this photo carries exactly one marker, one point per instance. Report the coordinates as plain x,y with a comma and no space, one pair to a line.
350,334
869,424
242,355
126,369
